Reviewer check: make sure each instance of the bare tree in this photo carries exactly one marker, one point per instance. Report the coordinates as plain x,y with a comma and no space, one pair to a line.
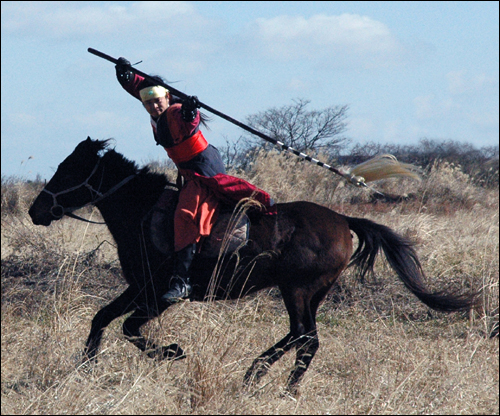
230,153
302,129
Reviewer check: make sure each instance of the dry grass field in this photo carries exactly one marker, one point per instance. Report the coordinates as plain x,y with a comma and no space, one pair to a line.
381,350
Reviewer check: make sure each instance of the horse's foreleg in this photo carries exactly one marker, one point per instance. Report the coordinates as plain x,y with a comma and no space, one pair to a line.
118,307
131,330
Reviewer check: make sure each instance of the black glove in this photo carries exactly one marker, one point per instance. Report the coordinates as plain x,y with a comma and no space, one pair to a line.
189,108
123,72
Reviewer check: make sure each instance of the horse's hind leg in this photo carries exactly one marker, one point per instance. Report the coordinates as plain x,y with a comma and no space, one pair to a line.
302,335
306,340
307,346
261,364
131,330
118,307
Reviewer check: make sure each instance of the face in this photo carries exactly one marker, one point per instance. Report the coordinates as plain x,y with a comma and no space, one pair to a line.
156,106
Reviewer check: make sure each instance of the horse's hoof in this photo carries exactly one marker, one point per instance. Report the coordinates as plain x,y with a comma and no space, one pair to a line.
87,363
88,357
255,373
249,379
291,392
171,352
494,331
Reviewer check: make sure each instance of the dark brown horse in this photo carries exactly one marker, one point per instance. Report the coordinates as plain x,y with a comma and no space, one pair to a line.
302,250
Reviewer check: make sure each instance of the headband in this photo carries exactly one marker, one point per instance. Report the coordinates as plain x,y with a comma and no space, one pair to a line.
149,93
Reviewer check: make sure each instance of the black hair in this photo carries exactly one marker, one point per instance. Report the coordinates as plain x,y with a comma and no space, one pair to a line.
153,80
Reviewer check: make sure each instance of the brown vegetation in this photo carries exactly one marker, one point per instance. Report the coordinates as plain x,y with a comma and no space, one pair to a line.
382,351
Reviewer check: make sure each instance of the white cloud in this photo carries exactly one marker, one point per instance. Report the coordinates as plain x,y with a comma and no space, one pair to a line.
484,119
462,82
296,84
431,107
456,82
349,36
424,106
362,128
469,98
393,130
145,30
62,19
23,120
100,118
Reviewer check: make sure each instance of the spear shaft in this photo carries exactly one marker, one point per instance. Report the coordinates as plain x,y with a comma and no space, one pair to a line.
283,146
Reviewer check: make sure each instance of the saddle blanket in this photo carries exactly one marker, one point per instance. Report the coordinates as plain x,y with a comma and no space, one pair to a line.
229,232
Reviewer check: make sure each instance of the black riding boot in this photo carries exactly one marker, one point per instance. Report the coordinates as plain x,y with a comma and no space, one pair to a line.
180,286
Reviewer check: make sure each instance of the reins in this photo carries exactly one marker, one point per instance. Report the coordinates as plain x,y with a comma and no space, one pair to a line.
100,196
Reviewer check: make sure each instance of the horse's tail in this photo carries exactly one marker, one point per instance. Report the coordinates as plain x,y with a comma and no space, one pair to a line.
404,260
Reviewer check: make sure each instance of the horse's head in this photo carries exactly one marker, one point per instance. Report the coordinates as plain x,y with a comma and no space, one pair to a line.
74,185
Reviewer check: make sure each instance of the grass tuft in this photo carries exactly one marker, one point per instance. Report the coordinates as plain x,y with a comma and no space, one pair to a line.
381,351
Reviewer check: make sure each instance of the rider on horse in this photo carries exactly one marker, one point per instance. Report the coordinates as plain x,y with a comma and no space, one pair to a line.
175,126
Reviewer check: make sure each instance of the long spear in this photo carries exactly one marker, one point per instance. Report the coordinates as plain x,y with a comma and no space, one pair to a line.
380,167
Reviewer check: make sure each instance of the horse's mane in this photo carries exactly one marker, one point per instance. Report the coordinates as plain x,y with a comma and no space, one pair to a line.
123,167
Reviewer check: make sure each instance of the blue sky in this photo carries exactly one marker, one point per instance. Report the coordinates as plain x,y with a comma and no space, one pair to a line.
407,70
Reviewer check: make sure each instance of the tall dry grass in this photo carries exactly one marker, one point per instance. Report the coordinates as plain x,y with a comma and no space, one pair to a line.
381,351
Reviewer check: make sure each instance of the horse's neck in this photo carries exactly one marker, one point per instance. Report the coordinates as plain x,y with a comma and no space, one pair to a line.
124,210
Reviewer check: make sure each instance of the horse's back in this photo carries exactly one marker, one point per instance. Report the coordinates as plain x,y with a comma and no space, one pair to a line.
317,216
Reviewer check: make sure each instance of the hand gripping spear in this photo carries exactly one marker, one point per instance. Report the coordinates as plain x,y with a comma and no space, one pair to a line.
380,167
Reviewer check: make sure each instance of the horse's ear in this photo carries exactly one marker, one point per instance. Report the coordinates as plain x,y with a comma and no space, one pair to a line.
94,146
91,144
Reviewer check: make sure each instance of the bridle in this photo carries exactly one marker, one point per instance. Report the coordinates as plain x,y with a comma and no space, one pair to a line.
99,196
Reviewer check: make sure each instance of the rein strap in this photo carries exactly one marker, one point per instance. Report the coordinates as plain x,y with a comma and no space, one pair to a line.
86,184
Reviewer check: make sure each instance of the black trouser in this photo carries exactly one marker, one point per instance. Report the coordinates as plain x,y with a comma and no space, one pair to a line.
183,259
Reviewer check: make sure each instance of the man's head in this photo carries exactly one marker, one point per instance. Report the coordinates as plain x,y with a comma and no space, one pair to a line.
155,99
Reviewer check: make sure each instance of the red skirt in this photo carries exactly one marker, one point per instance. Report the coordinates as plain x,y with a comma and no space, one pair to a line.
199,200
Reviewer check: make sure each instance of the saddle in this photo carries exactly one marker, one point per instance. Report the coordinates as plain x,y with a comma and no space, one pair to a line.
229,233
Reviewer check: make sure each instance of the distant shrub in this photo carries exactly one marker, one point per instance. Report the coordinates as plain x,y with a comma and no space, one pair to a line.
444,187
18,194
480,164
